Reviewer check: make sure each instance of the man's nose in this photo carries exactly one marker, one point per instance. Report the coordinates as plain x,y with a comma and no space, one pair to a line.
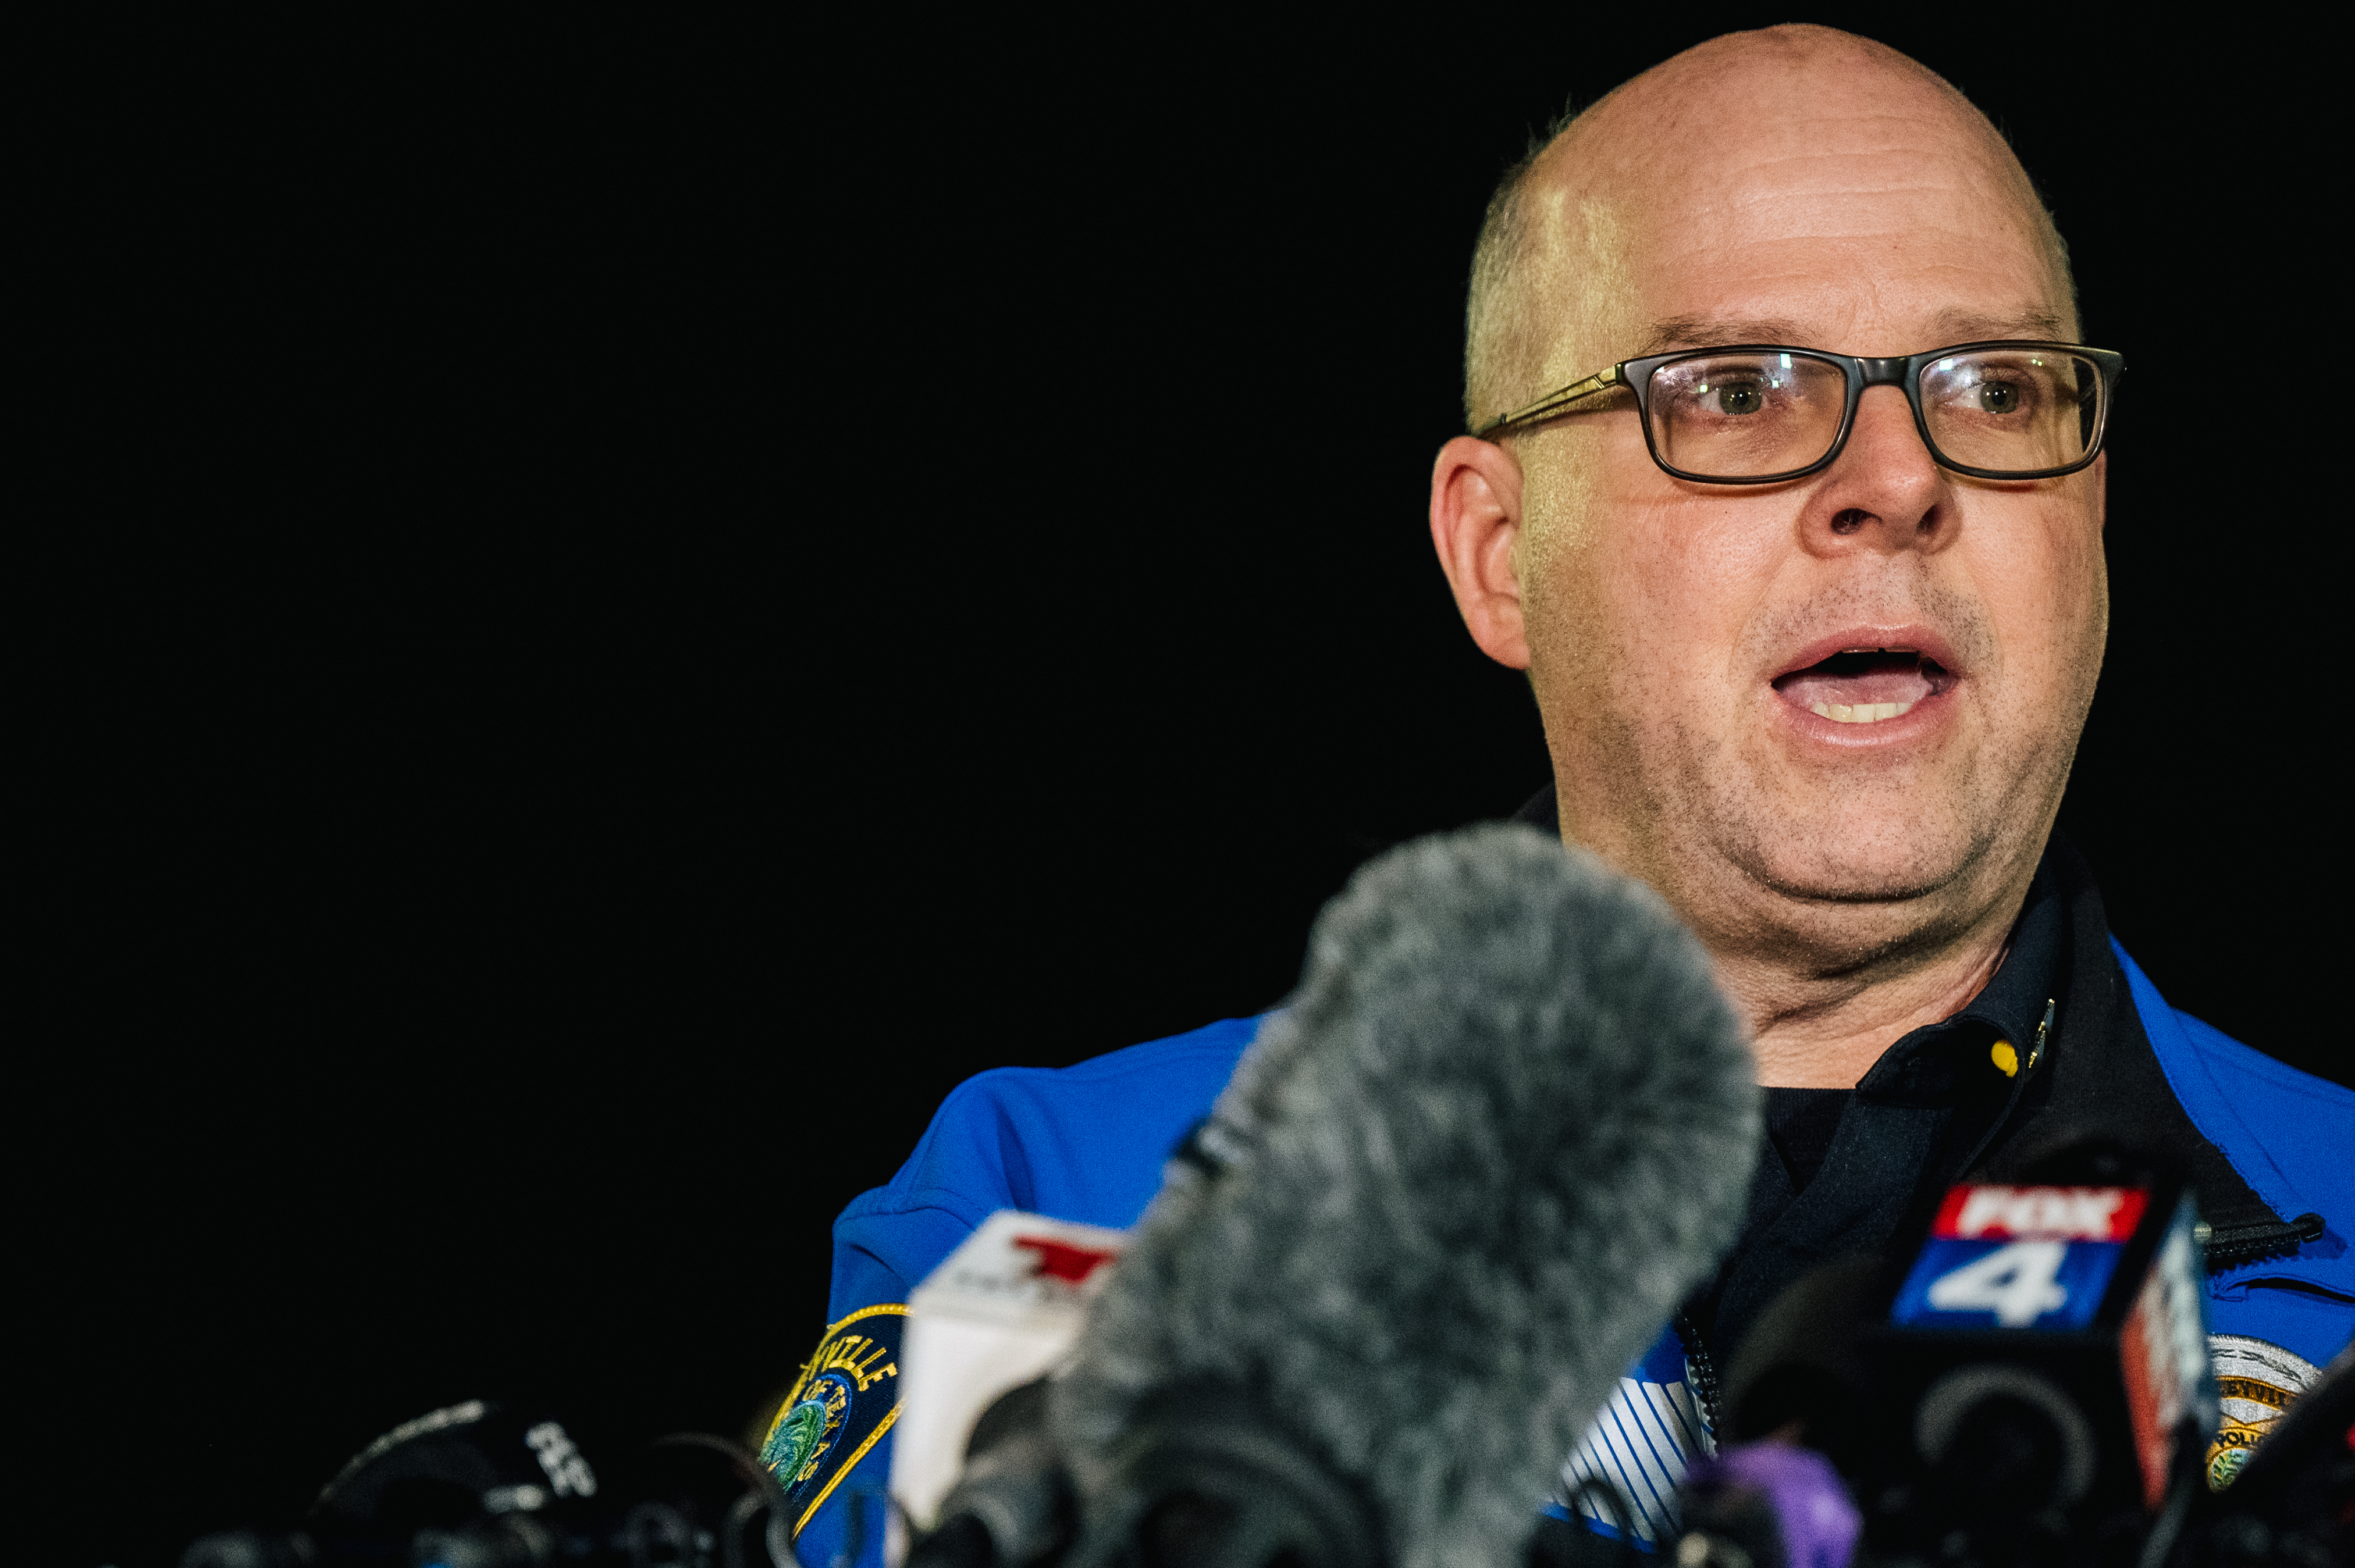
1884,490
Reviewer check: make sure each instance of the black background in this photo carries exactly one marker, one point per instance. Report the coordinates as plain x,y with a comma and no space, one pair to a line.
635,604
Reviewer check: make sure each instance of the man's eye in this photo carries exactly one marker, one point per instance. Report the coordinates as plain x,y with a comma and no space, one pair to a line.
2006,391
1735,397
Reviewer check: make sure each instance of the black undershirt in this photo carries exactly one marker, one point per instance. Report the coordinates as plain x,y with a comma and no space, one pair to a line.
1800,1123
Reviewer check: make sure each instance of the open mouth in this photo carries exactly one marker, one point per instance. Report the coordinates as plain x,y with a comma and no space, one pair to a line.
1865,686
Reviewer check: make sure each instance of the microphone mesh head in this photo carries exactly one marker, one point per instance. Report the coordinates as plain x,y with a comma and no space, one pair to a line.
1501,1130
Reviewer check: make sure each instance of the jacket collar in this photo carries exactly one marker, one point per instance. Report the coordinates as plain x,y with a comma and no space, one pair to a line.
1936,1108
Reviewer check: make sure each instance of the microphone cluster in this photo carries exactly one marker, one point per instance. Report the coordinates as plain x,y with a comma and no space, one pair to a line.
1500,1133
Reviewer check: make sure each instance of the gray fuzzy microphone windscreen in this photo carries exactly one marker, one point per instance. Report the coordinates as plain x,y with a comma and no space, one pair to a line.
1462,1179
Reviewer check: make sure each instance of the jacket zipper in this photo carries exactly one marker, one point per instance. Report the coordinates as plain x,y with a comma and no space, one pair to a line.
1703,1370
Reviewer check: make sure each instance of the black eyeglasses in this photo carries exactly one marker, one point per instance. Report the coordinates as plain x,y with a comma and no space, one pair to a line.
1759,414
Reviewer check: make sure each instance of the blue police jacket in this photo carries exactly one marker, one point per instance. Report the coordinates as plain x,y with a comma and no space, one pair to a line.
2267,1146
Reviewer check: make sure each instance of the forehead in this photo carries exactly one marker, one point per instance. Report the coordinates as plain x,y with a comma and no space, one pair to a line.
1855,205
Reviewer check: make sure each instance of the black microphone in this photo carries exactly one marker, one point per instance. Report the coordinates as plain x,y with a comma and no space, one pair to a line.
1503,1127
2027,1382
482,1485
2045,1362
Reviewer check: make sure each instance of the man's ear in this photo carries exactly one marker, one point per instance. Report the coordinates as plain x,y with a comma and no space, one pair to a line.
1475,521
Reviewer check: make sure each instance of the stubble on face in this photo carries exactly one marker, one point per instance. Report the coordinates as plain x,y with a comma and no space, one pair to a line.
1848,865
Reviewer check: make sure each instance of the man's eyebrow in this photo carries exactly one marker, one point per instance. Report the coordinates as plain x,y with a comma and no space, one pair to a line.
1711,332
1971,326
1949,326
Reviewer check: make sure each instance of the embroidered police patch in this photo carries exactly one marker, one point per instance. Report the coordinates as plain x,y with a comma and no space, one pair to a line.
846,1397
2259,1381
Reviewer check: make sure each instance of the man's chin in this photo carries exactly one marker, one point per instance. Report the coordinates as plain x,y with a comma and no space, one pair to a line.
1895,868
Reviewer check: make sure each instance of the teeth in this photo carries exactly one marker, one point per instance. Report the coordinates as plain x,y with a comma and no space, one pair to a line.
1861,713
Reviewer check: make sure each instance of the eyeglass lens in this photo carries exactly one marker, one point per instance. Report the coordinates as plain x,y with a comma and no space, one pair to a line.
1741,416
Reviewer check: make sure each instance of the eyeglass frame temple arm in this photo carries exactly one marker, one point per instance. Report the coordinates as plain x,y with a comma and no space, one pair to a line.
1555,402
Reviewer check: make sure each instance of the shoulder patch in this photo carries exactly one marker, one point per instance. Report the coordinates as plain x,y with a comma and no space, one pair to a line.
2258,1381
846,1397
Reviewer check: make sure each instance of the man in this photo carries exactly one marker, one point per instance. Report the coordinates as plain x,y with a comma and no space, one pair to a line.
1813,637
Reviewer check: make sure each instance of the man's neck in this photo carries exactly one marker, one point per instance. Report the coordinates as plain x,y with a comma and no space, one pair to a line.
1816,1033
1817,1023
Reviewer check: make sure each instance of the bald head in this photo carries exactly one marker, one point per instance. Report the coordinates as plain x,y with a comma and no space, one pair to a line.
1720,157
